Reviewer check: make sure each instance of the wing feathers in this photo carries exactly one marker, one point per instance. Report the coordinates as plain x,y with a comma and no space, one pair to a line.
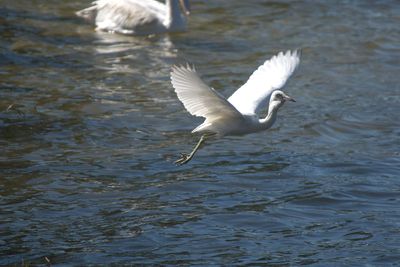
270,76
201,100
198,98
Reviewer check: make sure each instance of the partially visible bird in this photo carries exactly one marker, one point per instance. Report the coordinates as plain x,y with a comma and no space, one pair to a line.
137,17
236,115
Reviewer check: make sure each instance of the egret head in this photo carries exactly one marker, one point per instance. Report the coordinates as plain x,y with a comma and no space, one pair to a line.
278,98
185,6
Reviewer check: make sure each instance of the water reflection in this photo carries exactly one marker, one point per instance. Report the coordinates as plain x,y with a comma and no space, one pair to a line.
126,54
114,43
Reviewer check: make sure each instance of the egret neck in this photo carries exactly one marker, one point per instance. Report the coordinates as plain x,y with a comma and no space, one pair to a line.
269,120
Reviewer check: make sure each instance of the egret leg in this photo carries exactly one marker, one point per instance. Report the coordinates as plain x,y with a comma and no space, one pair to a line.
185,158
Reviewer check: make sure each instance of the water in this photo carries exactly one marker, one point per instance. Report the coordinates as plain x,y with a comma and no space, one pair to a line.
94,127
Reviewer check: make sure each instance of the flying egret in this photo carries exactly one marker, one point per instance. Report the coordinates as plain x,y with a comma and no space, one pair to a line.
137,17
236,115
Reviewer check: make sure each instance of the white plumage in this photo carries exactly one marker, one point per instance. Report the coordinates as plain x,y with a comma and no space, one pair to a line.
236,115
270,76
197,97
137,17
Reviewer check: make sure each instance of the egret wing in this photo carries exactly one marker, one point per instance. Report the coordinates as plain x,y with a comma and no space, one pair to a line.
197,97
270,76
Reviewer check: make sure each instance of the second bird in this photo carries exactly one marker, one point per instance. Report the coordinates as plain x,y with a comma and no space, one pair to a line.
137,17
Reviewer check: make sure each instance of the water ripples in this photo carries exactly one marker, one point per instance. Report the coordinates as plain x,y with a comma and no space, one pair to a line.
90,128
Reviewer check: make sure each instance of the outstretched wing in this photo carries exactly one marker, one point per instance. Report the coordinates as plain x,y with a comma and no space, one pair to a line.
198,98
270,76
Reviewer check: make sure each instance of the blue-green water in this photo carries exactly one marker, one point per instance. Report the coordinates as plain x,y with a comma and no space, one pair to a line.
88,143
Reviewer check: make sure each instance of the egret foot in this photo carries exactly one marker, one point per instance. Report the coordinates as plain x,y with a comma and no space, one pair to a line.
14,107
185,158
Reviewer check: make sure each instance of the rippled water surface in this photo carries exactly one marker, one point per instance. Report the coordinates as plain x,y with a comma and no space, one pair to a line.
90,127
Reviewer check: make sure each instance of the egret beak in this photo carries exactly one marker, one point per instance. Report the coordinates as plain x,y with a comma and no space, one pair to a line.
185,5
289,98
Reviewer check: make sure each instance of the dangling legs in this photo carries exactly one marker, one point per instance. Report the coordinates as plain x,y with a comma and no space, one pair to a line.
185,158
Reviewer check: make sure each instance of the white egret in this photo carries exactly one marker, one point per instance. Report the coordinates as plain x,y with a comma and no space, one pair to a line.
137,17
236,115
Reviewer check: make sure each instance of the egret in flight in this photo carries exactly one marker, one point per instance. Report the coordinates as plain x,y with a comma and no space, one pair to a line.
236,115
137,17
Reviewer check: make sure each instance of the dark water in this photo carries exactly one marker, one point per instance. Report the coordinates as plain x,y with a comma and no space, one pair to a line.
90,127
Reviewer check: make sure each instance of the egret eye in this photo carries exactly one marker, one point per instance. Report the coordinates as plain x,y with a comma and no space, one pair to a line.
279,97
